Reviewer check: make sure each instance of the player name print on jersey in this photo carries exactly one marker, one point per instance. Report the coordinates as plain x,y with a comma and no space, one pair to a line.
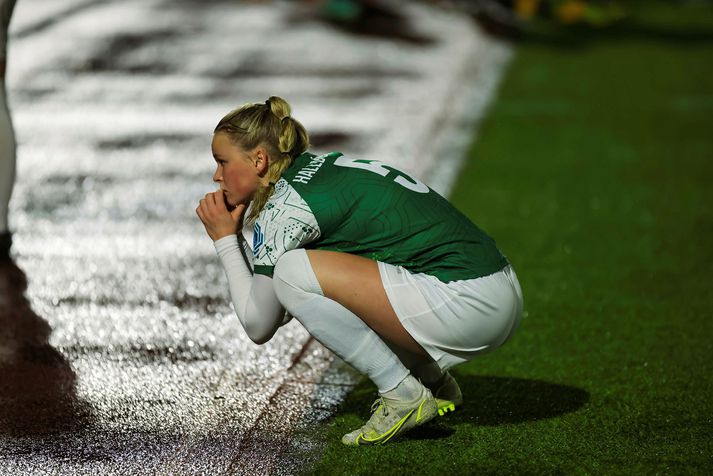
305,174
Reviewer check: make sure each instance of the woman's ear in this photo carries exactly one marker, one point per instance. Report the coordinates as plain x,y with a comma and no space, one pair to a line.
262,161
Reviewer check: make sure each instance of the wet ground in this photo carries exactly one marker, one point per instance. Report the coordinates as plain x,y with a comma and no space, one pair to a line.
119,353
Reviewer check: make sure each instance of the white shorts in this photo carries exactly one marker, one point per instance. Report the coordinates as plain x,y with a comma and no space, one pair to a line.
455,321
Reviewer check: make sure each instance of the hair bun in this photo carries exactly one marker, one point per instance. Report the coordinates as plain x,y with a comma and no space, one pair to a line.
279,107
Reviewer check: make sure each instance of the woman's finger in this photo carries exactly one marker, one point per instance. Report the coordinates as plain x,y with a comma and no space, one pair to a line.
207,202
238,211
204,210
219,198
211,200
214,201
205,198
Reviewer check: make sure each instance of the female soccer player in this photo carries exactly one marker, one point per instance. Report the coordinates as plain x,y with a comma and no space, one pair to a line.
376,266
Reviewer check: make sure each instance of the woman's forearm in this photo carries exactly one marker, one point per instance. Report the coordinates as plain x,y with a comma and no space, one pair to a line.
254,299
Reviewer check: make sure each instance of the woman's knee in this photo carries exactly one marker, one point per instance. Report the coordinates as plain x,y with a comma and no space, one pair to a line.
293,276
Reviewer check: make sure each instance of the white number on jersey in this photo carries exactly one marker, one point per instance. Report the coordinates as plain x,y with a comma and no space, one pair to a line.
380,168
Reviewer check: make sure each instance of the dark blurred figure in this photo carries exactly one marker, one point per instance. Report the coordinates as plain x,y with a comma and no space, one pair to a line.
352,12
511,17
380,18
7,137
37,384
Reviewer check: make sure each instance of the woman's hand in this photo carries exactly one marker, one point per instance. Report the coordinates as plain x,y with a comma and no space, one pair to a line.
218,221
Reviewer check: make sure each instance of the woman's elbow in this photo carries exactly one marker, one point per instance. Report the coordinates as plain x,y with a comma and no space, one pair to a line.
259,336
260,339
259,325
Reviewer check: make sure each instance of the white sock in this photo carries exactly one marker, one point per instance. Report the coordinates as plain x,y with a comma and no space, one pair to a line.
7,159
409,389
423,367
332,324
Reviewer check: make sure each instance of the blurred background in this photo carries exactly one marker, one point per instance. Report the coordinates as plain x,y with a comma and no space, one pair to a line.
575,132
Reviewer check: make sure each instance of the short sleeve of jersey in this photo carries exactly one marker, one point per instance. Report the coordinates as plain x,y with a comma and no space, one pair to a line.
286,223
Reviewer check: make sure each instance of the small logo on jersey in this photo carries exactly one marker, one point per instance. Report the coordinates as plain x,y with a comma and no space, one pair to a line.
258,239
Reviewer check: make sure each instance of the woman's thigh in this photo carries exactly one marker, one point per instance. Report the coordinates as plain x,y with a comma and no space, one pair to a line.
355,283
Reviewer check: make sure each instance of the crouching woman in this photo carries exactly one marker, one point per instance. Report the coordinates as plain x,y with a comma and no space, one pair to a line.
376,266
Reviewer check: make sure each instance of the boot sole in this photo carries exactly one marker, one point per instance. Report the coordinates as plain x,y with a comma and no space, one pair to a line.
446,406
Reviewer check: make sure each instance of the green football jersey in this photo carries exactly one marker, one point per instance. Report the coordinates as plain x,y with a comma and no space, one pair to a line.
370,209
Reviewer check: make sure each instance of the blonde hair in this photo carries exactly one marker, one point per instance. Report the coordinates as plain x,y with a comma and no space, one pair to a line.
270,125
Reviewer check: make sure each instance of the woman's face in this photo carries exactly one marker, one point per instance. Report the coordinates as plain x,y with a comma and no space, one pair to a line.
238,171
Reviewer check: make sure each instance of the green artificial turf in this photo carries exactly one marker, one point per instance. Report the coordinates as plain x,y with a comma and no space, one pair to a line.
594,172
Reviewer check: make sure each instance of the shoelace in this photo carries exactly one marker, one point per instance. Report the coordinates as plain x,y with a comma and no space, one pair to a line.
379,403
